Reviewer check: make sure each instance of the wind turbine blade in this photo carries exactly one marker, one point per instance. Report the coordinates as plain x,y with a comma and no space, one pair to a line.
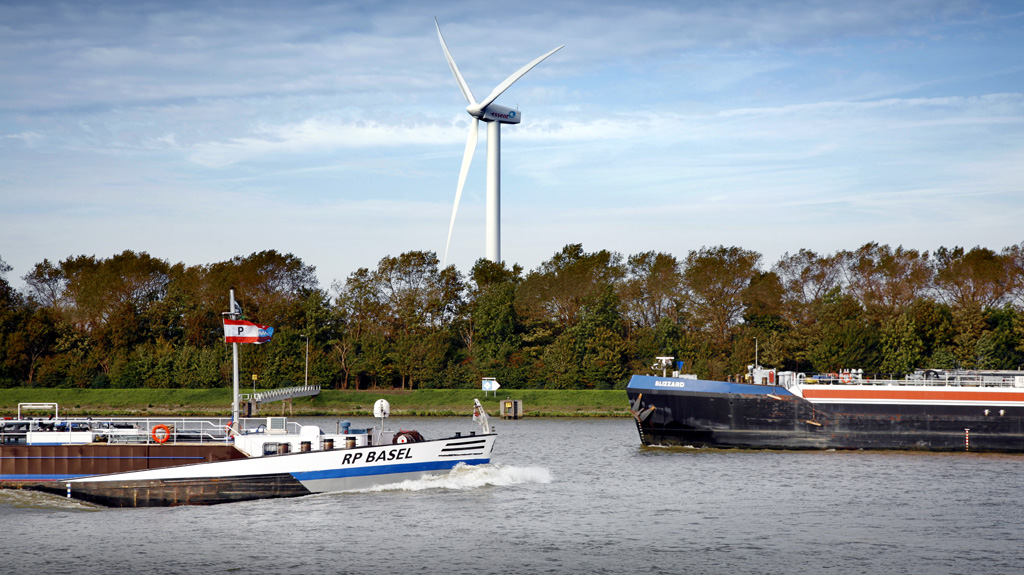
512,79
467,159
455,69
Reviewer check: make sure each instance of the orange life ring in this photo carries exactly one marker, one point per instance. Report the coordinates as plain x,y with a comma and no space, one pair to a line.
164,437
846,377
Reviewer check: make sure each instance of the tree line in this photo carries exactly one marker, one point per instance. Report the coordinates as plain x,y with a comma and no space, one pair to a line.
583,320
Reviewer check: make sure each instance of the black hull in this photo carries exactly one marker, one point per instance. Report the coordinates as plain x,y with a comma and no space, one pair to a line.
783,421
170,493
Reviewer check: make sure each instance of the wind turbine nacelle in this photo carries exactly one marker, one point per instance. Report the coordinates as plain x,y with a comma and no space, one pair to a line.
496,113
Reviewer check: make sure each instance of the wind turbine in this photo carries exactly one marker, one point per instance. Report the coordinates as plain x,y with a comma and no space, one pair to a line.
494,115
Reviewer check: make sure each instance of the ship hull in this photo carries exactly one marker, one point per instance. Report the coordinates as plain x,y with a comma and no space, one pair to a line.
273,476
703,413
169,493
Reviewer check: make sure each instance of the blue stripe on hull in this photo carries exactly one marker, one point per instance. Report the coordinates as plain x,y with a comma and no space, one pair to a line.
384,469
29,477
654,383
96,457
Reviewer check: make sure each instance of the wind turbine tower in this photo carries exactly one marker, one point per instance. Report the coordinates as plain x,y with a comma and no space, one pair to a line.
494,115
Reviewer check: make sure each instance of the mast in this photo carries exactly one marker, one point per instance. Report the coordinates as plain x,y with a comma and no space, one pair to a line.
234,361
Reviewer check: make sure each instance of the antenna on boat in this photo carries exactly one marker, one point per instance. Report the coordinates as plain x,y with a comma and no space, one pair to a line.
381,410
664,361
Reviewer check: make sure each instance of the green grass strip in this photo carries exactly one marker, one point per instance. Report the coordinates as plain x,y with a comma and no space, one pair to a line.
217,402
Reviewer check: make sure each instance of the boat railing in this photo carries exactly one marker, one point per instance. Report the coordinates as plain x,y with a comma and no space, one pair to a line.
202,430
161,430
931,378
52,429
962,381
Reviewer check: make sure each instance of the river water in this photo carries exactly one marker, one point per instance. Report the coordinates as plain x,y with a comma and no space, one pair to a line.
570,496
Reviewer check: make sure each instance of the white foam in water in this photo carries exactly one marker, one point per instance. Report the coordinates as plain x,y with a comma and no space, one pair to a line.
464,476
18,498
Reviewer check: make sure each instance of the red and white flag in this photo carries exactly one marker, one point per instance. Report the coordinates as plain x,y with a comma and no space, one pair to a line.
238,331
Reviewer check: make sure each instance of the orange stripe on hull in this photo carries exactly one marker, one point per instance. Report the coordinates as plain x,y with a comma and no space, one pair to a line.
914,395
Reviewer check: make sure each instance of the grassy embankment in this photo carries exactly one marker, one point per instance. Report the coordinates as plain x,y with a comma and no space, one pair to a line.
217,402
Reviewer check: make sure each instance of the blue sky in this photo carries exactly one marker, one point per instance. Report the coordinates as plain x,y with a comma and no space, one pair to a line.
198,131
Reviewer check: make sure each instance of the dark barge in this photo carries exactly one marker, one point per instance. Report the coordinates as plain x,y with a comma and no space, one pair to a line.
932,410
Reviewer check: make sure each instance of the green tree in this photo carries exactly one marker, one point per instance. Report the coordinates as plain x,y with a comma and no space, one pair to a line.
999,346
1014,258
389,310
601,344
12,316
762,303
715,280
47,284
592,353
842,338
969,325
975,279
561,287
552,302
933,326
652,290
27,347
902,348
492,329
806,279
886,281
497,331
268,285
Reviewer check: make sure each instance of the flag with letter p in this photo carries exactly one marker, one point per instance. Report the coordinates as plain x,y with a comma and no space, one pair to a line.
239,331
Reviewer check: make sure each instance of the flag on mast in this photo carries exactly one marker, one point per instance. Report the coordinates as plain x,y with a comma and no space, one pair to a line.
240,331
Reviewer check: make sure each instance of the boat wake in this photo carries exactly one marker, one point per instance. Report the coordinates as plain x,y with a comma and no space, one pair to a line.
25,499
464,476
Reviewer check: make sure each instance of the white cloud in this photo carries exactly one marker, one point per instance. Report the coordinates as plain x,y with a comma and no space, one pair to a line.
658,127
29,138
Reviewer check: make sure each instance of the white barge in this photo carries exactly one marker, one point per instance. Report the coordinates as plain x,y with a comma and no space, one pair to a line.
166,462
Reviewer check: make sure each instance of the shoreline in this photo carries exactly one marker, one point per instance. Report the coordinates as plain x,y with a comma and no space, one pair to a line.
217,402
